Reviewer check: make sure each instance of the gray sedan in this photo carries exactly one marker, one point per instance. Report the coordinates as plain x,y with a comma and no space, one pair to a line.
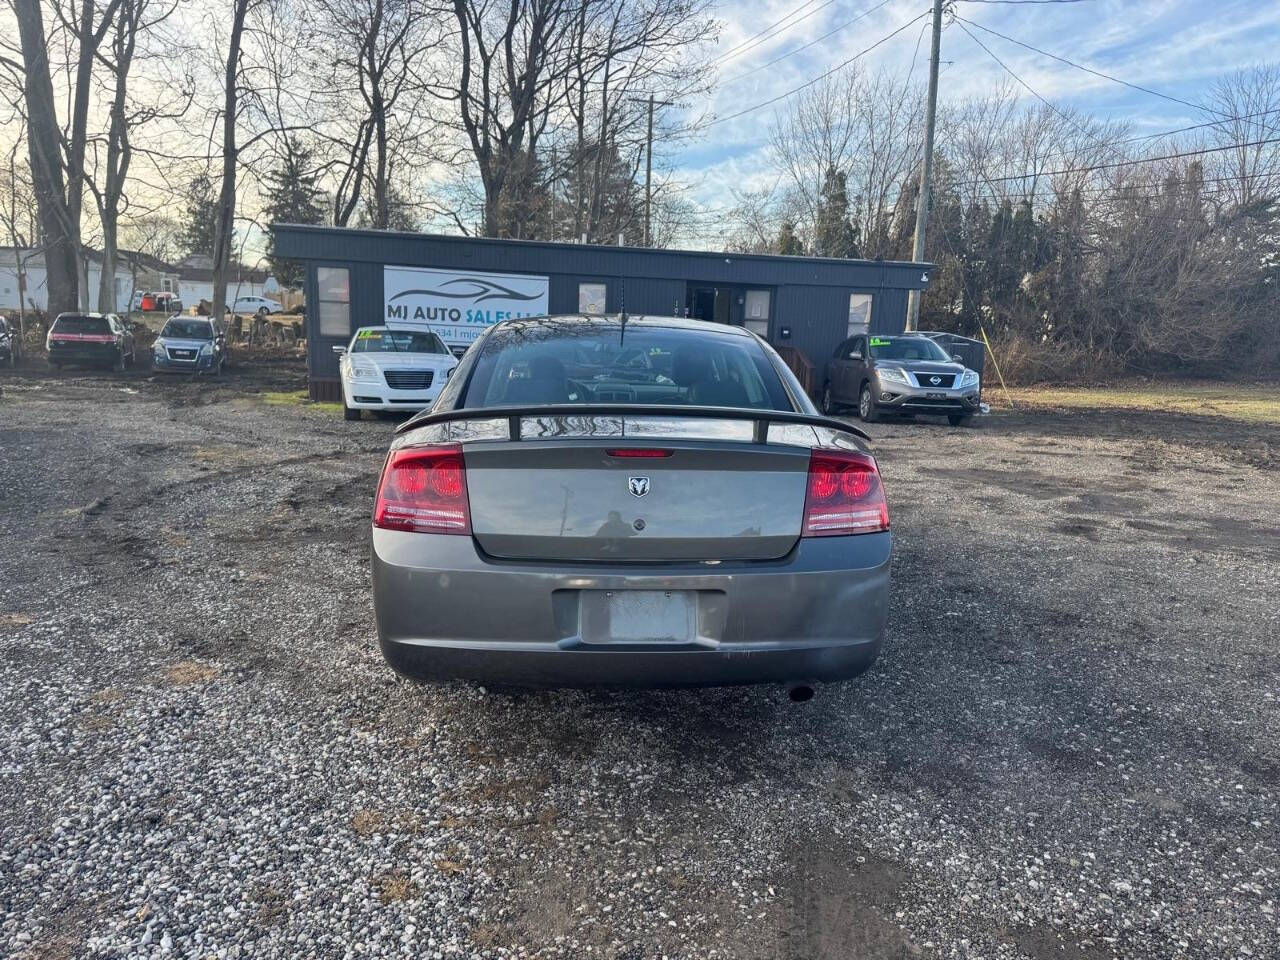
636,502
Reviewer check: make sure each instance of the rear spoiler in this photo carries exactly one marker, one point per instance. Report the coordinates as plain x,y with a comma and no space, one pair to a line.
513,415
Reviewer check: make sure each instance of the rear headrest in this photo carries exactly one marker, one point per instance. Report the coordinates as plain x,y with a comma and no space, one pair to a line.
689,365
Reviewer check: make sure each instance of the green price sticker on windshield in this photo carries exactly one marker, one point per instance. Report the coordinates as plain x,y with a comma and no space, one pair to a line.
879,342
368,334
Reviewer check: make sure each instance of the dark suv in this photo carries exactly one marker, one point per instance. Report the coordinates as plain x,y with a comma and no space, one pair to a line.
899,374
90,338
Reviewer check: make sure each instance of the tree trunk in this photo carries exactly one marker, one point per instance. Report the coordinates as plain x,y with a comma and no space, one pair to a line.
118,156
61,234
224,224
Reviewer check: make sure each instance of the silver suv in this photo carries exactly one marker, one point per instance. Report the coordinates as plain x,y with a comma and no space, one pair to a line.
904,374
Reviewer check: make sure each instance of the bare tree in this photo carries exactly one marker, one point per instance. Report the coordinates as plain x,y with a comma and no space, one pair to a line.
59,228
372,55
135,22
1250,97
564,74
224,222
862,127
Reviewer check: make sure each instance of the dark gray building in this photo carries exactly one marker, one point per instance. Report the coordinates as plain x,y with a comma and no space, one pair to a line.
459,285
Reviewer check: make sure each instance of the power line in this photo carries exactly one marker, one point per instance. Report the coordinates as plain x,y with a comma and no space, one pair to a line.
1032,91
1096,73
820,77
1125,163
1152,136
1020,2
792,53
757,38
914,54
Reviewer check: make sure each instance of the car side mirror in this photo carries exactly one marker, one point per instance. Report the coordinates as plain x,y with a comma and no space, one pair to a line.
957,358
855,356
339,349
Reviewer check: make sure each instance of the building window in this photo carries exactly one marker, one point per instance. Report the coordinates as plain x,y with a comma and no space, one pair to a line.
859,313
591,297
756,312
333,291
168,285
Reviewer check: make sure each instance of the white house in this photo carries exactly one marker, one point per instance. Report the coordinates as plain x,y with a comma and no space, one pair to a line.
134,270
195,280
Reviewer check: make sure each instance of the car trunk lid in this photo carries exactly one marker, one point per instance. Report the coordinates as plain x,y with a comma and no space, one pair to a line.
584,499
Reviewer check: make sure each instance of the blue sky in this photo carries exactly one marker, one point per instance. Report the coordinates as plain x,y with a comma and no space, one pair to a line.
1177,47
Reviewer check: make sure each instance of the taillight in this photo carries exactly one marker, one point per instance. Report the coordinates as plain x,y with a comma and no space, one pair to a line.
639,453
424,490
845,495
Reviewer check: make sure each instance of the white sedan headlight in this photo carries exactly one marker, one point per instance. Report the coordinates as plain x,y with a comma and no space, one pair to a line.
895,374
969,378
363,371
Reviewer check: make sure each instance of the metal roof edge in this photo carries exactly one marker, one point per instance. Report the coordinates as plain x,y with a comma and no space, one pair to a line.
596,247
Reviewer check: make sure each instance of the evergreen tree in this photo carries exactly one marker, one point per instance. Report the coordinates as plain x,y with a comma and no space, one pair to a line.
788,243
834,234
292,197
199,219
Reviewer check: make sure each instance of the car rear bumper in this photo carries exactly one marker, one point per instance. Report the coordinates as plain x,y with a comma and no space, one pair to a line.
446,611
83,352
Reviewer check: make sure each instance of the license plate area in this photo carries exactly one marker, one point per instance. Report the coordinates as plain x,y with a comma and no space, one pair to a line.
935,396
650,617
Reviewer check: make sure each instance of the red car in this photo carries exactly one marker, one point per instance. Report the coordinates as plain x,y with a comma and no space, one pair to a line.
160,303
90,338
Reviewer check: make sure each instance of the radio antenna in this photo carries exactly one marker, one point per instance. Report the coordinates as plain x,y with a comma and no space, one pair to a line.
622,310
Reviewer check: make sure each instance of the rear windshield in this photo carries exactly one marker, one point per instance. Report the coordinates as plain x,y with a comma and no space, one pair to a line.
397,341
188,330
906,348
82,325
545,362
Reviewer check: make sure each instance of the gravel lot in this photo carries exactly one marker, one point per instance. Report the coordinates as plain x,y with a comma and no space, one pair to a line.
1069,748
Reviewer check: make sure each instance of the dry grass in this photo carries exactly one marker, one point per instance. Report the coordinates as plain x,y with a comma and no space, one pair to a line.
15,619
97,722
519,790
1249,403
189,673
367,822
297,398
394,886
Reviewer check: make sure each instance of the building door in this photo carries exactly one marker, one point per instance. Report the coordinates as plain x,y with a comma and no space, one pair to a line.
713,304
756,312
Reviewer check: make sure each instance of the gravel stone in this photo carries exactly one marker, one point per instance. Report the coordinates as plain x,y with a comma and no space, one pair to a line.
1067,750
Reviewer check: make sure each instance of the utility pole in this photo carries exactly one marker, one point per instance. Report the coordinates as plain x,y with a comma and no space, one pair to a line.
926,165
648,160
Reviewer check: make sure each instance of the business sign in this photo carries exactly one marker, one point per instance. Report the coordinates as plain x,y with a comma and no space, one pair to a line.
459,304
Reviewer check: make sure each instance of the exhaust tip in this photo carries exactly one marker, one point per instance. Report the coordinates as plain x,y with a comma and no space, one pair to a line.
799,692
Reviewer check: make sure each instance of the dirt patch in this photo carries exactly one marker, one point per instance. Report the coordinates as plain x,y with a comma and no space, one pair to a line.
839,903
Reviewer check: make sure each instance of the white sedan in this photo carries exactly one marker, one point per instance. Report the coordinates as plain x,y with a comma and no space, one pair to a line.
390,368
255,305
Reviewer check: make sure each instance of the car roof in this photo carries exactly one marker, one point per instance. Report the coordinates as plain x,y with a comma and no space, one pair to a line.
613,320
